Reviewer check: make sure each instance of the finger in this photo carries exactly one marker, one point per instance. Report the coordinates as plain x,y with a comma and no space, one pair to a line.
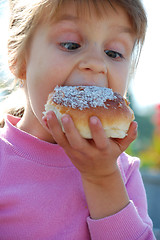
131,136
72,134
98,133
56,129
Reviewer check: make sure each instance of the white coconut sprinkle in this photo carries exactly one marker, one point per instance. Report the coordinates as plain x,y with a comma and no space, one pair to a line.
82,97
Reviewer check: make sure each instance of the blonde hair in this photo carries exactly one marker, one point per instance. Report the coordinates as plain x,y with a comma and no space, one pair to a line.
27,14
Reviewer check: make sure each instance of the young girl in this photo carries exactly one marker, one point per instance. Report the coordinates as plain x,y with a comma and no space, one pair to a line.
61,186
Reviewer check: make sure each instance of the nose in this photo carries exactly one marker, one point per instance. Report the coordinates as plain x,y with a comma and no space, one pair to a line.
93,63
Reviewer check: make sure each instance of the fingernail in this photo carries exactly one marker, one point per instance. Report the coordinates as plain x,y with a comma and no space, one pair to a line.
94,120
136,128
136,125
44,119
64,119
49,116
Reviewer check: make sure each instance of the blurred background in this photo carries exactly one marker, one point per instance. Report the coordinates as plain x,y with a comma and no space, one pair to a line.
143,95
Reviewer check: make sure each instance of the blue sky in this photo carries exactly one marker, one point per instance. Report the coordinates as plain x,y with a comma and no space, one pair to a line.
146,84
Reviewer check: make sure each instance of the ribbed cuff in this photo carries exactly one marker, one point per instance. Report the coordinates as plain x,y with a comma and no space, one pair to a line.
125,225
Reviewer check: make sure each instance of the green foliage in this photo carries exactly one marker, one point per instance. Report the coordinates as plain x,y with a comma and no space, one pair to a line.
147,144
150,157
145,134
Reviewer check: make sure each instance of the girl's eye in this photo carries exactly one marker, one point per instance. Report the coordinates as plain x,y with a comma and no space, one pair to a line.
113,54
70,45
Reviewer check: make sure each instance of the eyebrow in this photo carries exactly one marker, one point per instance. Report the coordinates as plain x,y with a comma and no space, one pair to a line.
123,29
119,28
66,17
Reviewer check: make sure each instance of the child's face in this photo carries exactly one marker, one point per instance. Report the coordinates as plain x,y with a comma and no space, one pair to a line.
84,50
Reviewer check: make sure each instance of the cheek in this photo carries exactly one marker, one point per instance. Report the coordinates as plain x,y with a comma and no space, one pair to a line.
38,89
118,78
41,80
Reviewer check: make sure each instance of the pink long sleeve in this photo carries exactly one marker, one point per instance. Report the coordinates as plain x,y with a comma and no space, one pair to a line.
133,221
42,197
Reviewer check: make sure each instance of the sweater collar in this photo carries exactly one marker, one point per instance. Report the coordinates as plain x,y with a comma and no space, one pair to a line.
32,148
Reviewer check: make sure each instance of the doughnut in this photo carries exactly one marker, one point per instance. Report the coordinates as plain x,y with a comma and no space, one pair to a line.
83,102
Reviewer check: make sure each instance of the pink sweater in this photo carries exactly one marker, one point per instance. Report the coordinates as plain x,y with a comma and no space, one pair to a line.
42,198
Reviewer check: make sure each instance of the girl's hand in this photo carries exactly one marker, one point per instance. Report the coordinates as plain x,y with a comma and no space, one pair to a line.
96,161
96,158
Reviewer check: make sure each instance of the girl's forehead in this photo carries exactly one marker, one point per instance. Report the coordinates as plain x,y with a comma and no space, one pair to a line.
83,8
99,8
90,12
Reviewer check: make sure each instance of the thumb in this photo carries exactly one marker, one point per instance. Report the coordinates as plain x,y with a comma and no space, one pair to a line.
131,136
